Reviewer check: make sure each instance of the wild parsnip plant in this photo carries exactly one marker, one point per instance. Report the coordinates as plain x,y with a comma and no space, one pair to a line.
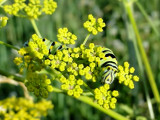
79,71
77,68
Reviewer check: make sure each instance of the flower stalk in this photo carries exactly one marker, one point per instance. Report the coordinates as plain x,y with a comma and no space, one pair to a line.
109,112
2,2
8,45
35,27
86,39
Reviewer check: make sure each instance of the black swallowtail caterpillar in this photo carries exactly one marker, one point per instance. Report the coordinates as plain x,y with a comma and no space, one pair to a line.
108,65
52,46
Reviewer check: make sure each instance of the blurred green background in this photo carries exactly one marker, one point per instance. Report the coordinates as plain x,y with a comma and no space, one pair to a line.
72,14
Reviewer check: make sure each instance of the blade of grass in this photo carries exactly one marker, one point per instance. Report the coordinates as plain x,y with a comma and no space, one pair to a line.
147,17
128,6
132,38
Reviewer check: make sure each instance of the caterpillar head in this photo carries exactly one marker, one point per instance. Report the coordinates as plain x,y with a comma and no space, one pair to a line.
108,76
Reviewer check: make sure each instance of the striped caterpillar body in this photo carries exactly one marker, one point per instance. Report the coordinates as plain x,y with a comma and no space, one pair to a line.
52,46
109,66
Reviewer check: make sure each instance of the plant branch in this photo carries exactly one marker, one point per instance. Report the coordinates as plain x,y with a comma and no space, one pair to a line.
90,102
87,94
8,45
35,27
106,111
86,39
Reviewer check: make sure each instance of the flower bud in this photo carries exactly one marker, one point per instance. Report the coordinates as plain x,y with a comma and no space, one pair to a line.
3,21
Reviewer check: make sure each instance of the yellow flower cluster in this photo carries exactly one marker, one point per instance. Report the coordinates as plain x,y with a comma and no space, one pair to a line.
49,6
15,8
94,26
72,61
67,61
72,85
18,60
39,84
66,37
33,9
77,63
36,48
23,109
32,59
125,75
3,21
105,97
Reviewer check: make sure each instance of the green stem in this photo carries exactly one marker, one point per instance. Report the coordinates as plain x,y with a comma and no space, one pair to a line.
2,2
57,90
147,18
128,7
87,94
8,45
108,111
86,39
89,101
17,78
35,27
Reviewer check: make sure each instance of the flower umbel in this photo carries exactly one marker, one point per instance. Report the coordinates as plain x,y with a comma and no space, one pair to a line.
66,37
49,6
94,26
39,84
32,10
15,8
105,97
34,60
125,75
23,109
